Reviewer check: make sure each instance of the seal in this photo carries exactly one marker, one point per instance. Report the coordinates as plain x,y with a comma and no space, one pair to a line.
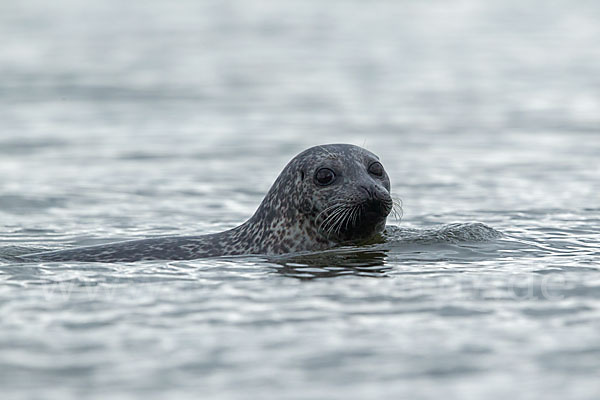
326,196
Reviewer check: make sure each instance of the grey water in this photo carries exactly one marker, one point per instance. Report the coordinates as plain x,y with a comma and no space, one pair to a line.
122,120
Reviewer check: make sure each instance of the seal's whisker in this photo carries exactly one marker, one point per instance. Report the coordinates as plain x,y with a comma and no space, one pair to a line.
342,220
354,215
333,224
349,216
325,210
329,222
329,218
397,208
360,211
335,227
338,203
327,151
394,212
326,222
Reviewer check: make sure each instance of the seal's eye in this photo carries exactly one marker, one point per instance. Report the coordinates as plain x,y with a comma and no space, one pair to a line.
376,169
324,176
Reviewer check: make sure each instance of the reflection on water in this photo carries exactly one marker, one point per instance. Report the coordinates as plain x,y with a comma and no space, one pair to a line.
334,263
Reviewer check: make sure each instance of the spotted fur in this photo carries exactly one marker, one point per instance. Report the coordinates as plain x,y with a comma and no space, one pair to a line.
297,214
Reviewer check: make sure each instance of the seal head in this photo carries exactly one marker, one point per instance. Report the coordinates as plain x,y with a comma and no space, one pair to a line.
327,195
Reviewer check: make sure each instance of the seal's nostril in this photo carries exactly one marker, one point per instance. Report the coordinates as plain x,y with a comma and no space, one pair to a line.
375,193
367,191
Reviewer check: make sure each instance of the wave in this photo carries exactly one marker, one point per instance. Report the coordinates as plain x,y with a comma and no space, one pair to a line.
449,233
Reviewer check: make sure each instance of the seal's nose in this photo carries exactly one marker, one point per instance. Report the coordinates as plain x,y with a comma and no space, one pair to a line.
377,201
371,192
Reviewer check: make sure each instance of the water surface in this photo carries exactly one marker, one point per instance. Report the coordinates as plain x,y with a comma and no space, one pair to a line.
123,120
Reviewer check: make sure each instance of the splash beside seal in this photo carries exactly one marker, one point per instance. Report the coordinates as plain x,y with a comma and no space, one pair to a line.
326,196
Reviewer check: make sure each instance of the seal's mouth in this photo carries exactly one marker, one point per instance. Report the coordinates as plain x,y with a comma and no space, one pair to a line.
357,222
374,209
